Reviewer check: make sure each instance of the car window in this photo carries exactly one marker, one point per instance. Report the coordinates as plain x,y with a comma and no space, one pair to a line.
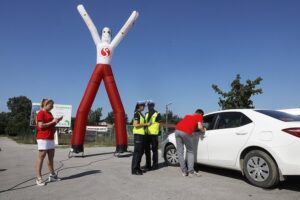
208,121
280,115
232,120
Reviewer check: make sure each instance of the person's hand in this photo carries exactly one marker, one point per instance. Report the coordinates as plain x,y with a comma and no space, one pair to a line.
57,120
60,118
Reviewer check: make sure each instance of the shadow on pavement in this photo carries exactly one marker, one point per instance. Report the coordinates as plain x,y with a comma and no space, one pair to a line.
2,170
220,171
162,165
124,155
16,187
291,183
81,174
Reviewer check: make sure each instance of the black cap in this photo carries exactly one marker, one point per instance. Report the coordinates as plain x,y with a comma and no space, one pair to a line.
199,111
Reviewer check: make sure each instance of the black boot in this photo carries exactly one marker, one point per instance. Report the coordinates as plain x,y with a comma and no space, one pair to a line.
155,167
137,172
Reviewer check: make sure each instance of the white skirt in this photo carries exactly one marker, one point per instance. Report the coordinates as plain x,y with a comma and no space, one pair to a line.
45,144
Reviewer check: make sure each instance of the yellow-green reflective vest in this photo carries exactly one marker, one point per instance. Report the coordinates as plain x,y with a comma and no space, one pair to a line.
153,129
139,130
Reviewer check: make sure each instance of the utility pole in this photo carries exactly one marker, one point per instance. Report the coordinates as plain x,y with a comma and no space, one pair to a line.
167,112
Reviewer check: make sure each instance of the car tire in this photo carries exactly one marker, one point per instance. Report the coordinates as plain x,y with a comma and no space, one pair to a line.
260,169
171,157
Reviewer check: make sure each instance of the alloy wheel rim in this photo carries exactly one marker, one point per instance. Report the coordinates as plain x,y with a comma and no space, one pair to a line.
171,156
258,169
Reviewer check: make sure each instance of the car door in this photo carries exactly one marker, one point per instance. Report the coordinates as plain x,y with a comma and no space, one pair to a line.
200,140
230,133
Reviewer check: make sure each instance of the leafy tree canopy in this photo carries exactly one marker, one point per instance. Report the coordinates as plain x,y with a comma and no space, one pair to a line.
240,94
19,115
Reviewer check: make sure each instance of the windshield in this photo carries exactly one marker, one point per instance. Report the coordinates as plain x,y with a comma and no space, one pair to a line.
280,115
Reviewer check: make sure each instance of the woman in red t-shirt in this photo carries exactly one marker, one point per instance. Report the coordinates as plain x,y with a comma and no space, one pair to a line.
45,139
41,108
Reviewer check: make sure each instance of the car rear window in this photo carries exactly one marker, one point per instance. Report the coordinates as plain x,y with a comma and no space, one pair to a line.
280,115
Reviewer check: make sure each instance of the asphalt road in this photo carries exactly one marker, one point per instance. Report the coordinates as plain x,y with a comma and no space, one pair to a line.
101,175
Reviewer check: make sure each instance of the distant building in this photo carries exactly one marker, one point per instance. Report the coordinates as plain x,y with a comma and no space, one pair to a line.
97,129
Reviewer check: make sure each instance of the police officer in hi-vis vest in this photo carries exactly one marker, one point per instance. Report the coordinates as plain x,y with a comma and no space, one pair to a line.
153,118
139,125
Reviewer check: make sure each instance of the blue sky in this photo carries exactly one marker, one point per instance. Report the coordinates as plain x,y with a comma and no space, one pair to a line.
174,53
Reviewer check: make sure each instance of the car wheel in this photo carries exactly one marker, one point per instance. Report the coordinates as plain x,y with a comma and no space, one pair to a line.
171,157
260,169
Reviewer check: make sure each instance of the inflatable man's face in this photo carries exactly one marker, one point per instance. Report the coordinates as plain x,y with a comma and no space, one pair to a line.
106,35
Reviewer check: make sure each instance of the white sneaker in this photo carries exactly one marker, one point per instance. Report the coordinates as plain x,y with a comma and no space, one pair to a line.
184,174
53,178
194,174
40,182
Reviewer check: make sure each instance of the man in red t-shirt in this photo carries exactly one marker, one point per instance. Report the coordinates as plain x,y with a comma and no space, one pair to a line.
184,136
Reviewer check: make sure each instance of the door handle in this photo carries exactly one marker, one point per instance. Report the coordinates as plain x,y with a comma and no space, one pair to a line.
241,133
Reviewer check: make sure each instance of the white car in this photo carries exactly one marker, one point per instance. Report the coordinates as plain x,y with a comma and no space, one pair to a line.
263,144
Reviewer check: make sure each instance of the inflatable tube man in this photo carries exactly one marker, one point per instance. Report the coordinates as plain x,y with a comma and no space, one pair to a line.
105,48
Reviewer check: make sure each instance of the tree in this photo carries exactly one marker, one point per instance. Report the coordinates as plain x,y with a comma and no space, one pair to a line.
240,94
19,115
110,119
3,122
172,118
94,116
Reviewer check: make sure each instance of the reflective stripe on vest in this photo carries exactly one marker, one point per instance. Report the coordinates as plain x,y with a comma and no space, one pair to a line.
153,129
139,130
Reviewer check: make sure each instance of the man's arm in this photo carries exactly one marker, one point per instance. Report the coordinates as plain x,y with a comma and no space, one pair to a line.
124,30
158,118
89,24
201,127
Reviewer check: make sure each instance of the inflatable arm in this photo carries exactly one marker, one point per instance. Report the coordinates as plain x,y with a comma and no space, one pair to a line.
129,23
89,24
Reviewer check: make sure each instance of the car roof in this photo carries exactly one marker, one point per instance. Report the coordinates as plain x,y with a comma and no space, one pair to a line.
245,110
293,111
232,110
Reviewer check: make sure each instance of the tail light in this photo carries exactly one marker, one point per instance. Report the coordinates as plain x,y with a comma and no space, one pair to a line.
293,131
